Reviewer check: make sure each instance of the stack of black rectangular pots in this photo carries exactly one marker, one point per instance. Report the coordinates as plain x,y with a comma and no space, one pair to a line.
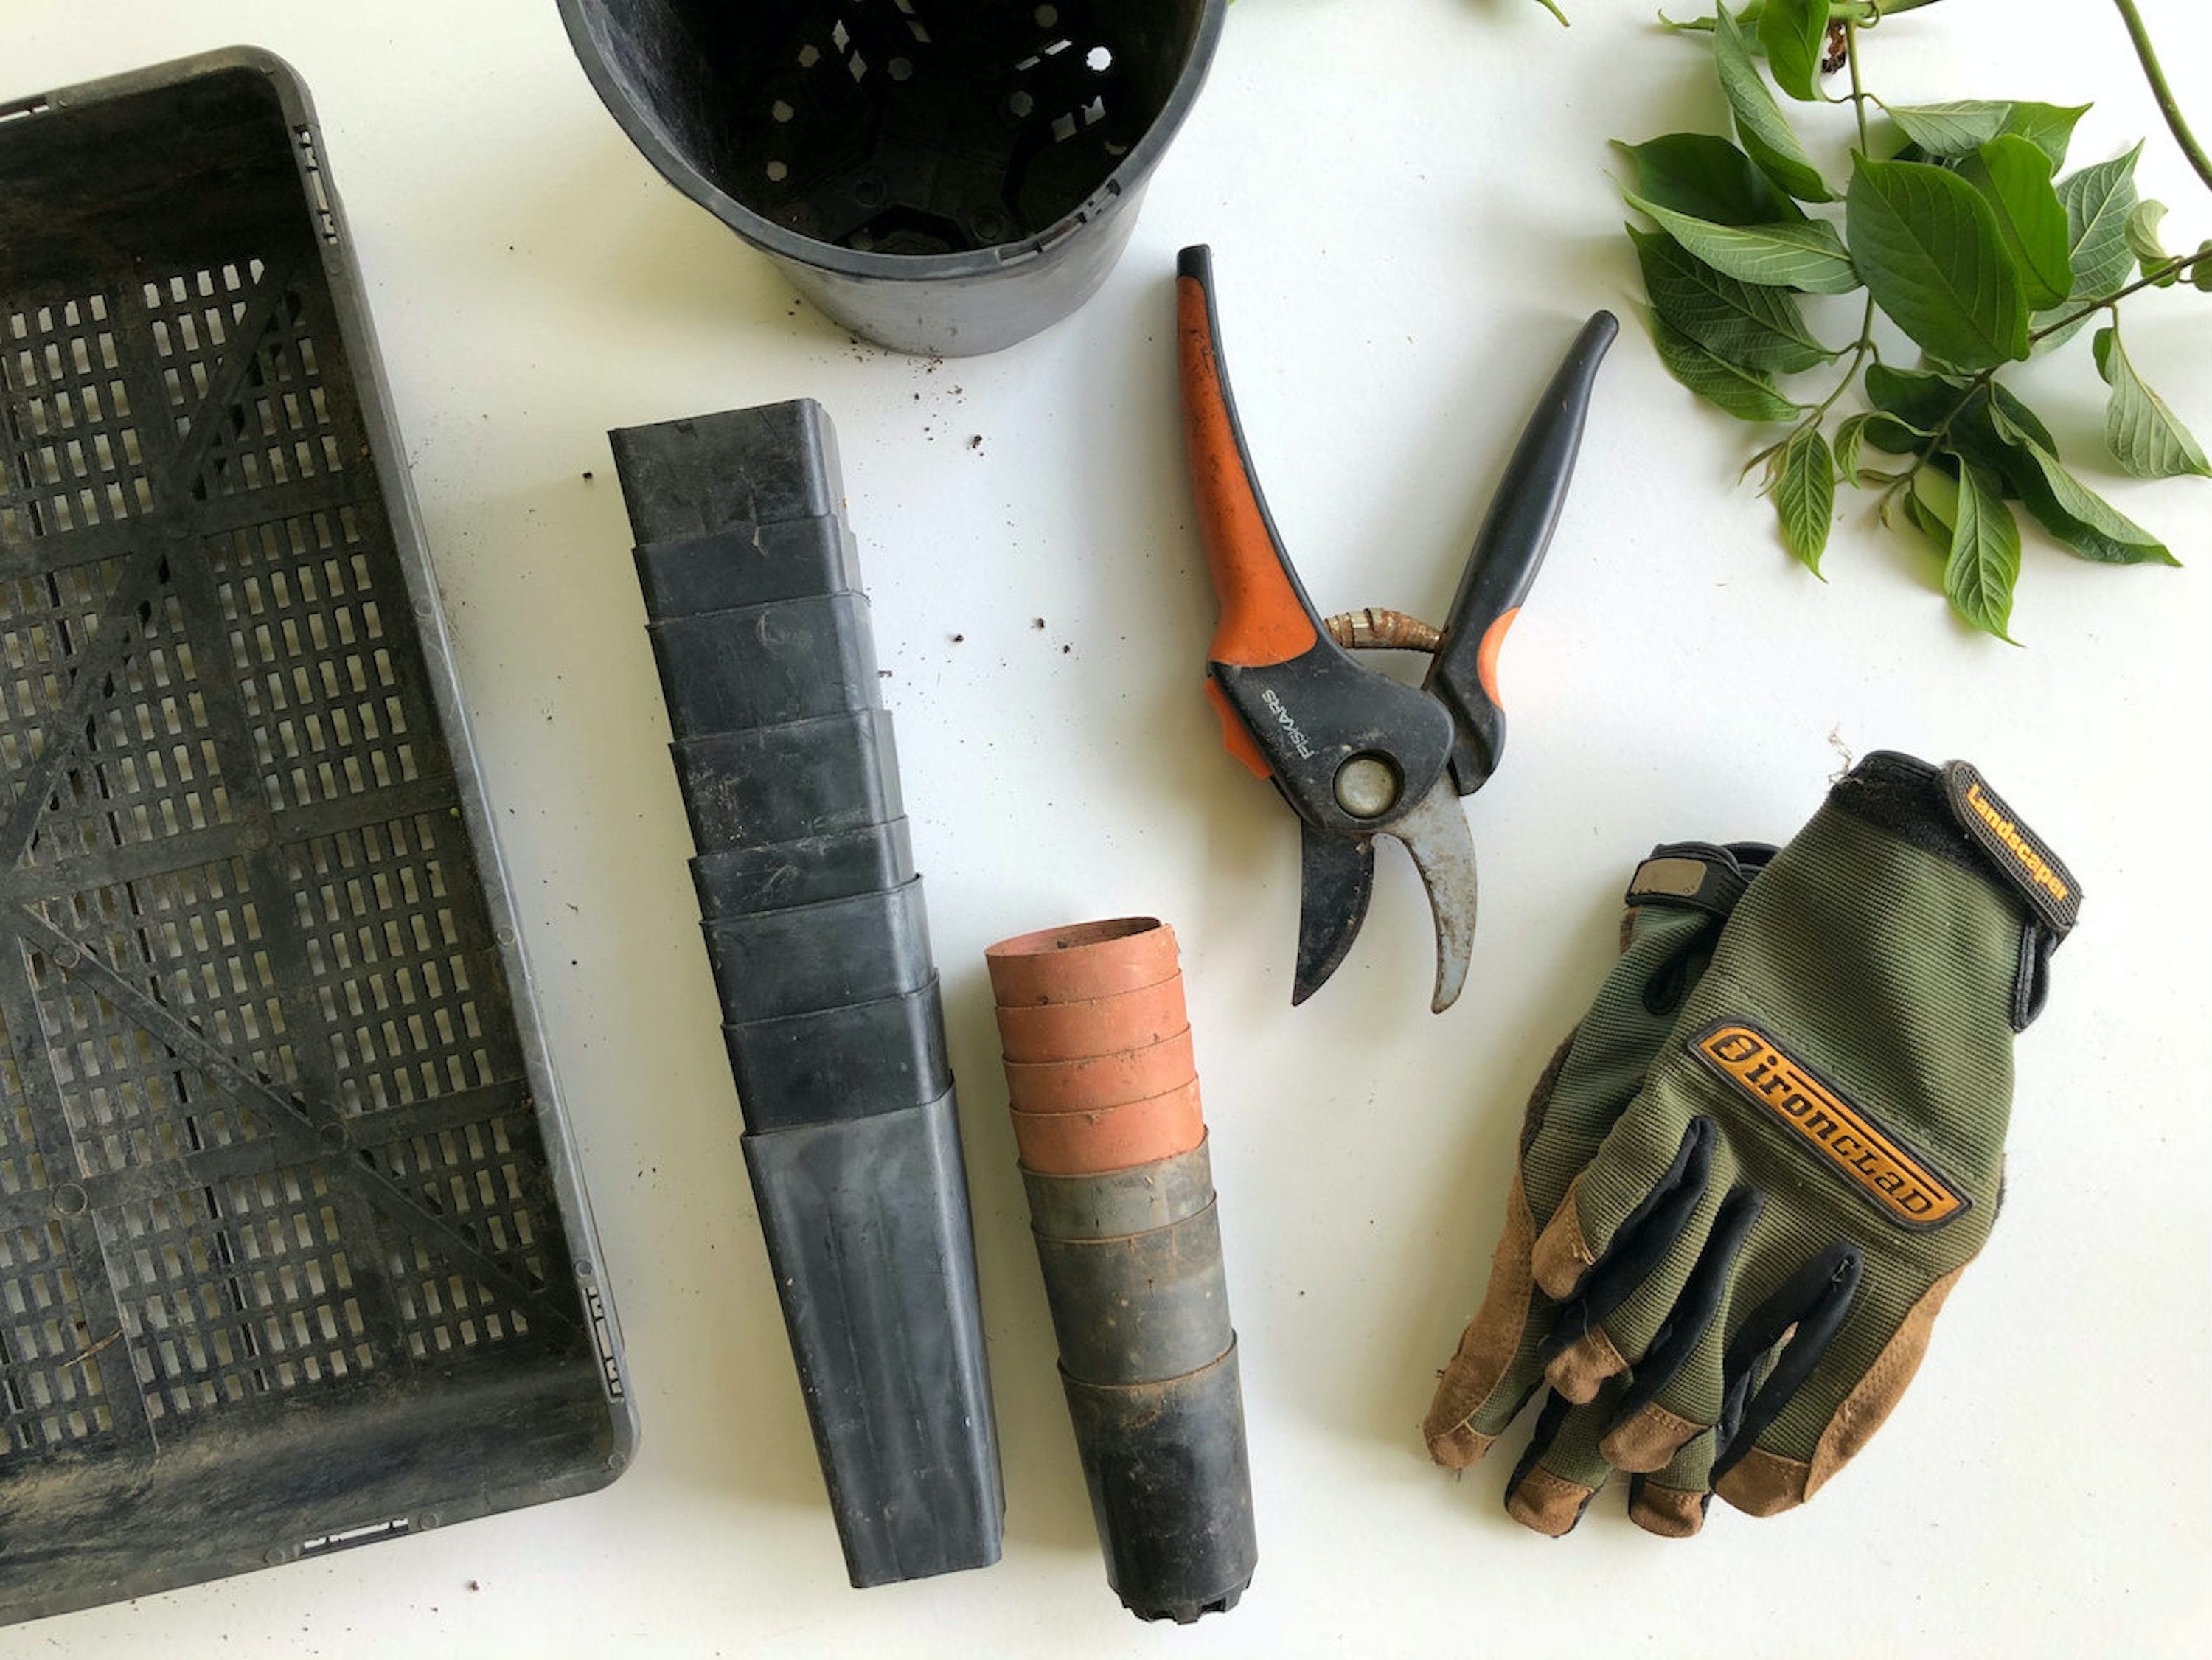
819,943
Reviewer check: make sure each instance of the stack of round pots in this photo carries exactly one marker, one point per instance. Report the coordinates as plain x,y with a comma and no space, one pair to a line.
1105,1102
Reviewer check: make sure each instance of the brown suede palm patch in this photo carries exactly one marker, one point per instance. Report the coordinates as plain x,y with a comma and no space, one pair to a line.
1486,1347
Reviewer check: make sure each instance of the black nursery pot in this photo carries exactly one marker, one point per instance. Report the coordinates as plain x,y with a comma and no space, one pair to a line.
941,176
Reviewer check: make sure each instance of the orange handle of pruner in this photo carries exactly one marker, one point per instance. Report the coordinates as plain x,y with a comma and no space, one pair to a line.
1265,617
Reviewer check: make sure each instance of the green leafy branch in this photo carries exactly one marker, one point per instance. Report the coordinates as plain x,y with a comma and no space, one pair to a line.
1968,238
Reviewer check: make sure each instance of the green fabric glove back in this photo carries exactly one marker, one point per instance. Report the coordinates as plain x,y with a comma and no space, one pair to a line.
1678,898
1747,1269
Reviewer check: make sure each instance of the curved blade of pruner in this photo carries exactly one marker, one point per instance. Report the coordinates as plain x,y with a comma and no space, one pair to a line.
1435,832
1336,875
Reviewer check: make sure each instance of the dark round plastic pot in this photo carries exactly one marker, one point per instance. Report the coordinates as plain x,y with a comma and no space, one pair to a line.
1112,1203
941,176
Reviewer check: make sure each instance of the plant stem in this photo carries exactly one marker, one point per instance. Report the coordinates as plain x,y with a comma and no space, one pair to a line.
2166,103
1872,11
1859,103
2175,267
1859,350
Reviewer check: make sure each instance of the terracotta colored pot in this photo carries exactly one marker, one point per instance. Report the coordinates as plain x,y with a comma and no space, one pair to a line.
1102,1025
1101,1080
1113,1138
1076,965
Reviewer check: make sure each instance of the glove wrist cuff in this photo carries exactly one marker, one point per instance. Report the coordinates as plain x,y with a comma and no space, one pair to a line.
1697,876
1951,813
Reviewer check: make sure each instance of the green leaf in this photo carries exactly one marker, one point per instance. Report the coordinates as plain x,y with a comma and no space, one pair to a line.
1960,128
2049,127
2141,234
1805,253
1914,405
2201,272
1921,397
2013,178
1753,327
2098,201
1929,247
1850,435
1796,35
1702,175
1957,128
2069,510
2143,435
1759,119
1932,503
1804,489
1934,526
1748,17
1910,407
2016,415
2077,518
1984,561
1748,394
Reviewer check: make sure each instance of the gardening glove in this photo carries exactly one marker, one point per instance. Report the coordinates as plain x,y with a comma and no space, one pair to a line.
1748,1267
1678,900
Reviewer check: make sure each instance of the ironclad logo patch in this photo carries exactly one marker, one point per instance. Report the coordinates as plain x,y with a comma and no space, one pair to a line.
1891,1176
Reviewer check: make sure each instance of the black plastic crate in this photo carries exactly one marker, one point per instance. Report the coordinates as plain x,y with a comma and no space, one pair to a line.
293,1253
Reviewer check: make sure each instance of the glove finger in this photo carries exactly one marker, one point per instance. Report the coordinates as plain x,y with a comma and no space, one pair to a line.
1672,1502
1648,1158
1561,1469
1497,1365
1792,1436
1679,1383
1618,1303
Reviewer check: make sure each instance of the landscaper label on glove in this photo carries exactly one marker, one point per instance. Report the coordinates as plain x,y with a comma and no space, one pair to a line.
1898,1182
2039,874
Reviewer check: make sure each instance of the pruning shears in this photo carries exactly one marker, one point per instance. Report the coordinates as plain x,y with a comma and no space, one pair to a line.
1355,753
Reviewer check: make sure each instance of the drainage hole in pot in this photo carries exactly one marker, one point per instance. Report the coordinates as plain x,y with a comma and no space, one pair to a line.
809,57
991,228
777,173
1046,16
1098,60
900,70
1020,103
781,111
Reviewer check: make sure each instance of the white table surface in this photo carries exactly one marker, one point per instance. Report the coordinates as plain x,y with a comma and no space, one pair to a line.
1410,208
